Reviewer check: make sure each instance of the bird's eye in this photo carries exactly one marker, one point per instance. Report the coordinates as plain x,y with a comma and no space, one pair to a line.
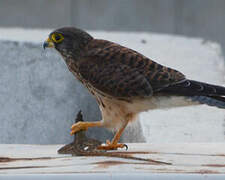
57,37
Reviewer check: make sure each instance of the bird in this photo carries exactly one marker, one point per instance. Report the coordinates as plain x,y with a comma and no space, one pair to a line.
124,82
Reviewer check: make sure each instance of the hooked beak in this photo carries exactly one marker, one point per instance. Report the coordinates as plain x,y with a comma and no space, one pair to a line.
48,44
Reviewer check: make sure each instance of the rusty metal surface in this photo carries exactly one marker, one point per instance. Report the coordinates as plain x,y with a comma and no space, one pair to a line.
198,159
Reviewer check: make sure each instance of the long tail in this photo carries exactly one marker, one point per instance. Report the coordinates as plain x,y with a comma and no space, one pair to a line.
211,101
203,93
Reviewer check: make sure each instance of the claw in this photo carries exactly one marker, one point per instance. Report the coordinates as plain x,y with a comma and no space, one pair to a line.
108,142
110,146
125,146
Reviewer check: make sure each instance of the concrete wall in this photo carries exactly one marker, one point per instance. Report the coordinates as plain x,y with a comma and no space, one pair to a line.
39,97
202,18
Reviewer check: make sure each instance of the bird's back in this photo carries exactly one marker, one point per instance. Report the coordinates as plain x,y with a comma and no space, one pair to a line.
156,74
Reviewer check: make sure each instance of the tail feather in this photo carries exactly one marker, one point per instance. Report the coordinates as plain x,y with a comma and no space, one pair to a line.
211,101
204,93
192,88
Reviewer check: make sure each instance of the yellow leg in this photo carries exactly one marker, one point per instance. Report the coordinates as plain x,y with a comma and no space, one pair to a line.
84,126
113,145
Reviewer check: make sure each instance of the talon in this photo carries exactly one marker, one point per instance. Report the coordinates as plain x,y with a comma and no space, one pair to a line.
110,146
125,146
108,142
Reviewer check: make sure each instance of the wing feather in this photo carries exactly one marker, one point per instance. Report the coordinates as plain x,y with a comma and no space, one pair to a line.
123,72
115,79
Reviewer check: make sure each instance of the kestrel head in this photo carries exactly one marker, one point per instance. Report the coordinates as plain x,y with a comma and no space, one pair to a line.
67,40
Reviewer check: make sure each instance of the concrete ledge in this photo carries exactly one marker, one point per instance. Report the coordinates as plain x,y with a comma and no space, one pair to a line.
196,159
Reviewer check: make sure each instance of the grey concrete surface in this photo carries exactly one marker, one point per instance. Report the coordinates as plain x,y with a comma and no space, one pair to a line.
40,13
195,18
39,97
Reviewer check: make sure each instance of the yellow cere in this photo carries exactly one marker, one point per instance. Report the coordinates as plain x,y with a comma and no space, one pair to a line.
57,37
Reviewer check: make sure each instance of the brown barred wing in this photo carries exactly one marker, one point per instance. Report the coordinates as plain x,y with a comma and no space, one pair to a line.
155,74
115,79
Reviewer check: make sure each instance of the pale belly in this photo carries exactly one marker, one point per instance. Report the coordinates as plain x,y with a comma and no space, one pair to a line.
117,112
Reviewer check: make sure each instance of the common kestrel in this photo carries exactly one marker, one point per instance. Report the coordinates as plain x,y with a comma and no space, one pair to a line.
125,82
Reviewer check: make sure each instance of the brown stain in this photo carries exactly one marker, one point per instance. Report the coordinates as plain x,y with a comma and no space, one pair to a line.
130,157
179,154
206,172
178,171
7,159
214,165
154,152
134,152
219,155
107,164
22,167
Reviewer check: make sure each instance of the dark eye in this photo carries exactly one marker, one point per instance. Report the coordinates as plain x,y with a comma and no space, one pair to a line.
57,37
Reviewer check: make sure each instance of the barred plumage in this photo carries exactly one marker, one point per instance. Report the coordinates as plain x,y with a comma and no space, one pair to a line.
125,82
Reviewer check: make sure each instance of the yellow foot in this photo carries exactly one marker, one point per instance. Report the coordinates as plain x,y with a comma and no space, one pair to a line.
78,127
110,146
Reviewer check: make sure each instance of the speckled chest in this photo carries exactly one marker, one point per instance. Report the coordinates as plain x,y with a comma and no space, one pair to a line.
73,67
